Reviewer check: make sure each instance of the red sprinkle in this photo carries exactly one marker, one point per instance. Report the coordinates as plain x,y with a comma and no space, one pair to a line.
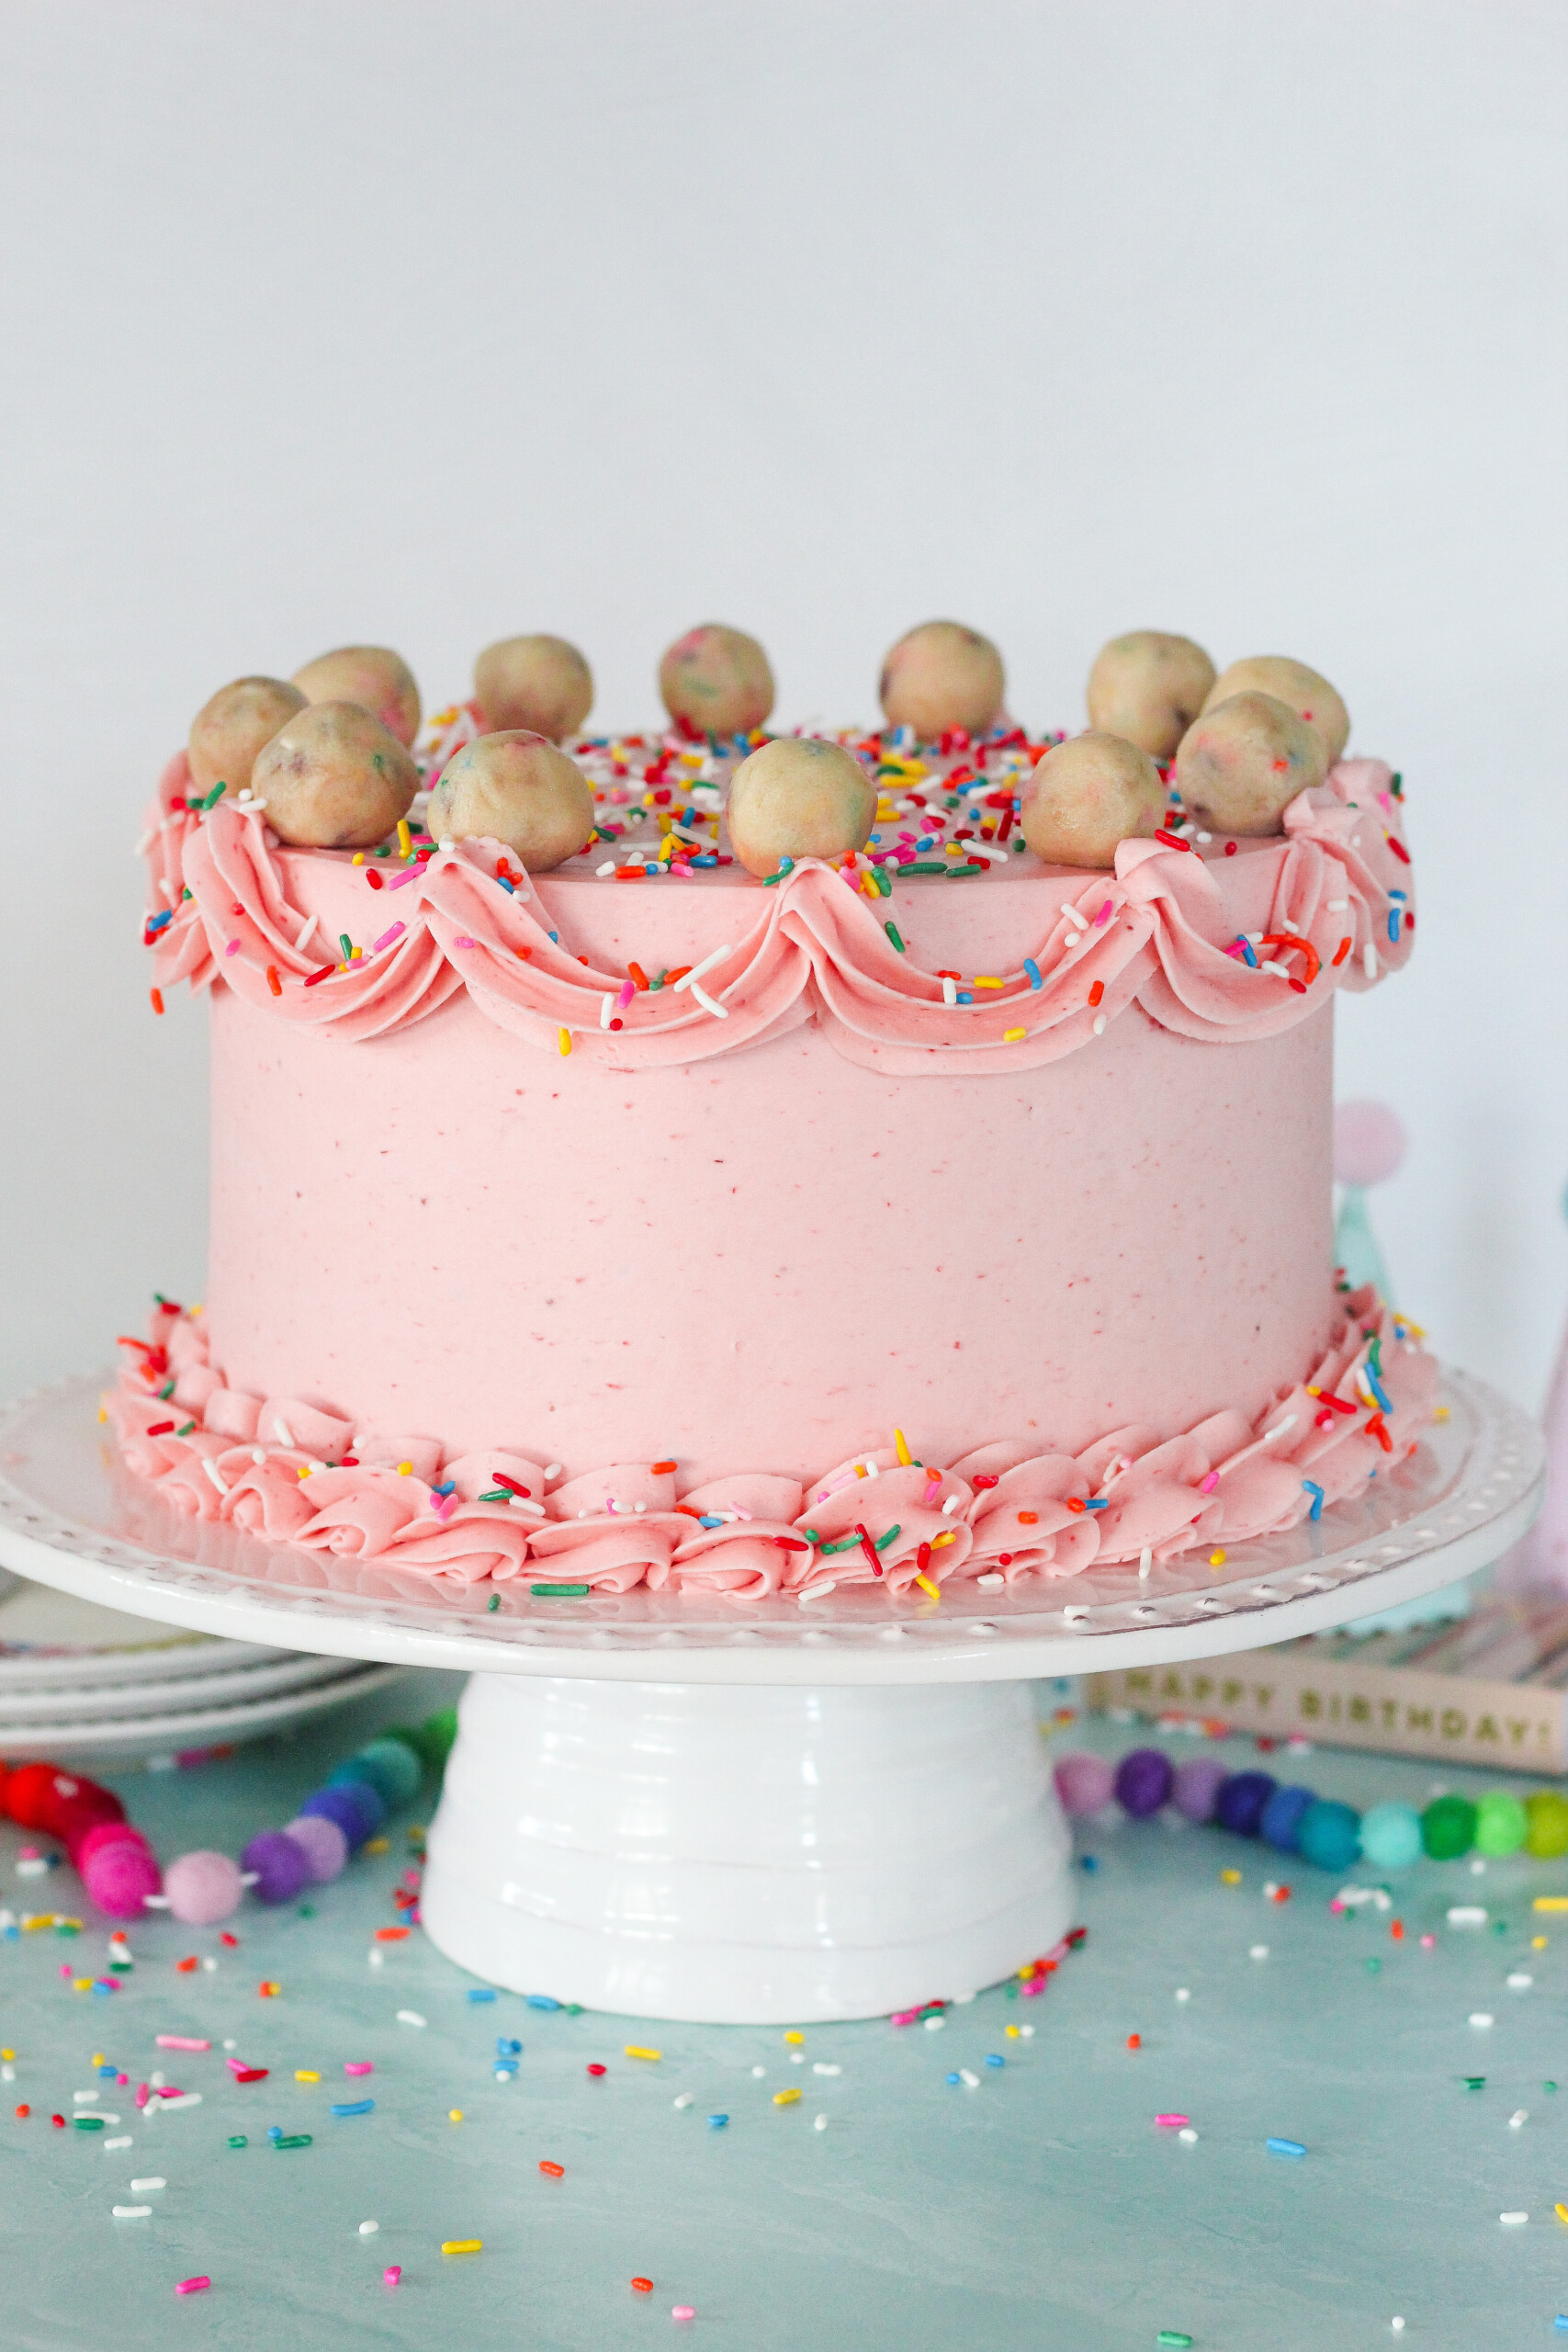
274,983
23,2112
595,2069
512,1485
1398,848
1172,841
160,1429
373,877
1134,2042
156,996
643,2286
869,1548
1097,992
556,2171
325,973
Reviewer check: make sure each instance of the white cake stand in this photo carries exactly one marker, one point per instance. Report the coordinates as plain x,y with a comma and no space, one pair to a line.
763,1814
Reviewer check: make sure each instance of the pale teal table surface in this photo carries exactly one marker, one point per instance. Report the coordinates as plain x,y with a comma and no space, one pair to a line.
1042,2210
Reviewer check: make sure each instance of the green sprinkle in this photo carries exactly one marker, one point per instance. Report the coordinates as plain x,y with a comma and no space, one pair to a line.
658,983
66,1928
558,1591
187,1431
494,1601
293,2140
346,943
1549,2086
927,866
88,2123
811,1535
239,2140
1373,1967
846,1543
166,1391
307,1911
892,930
383,849
883,1540
215,795
1174,2337
1475,2081
378,763
962,873
496,1495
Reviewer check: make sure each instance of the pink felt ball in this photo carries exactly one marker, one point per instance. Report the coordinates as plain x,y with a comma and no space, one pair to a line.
203,1888
1368,1142
1084,1783
325,1845
118,1870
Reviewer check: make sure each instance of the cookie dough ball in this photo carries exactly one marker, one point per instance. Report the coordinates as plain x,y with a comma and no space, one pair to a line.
333,777
1088,794
940,675
518,788
227,732
1148,687
797,798
716,679
1245,761
374,676
540,686
1311,697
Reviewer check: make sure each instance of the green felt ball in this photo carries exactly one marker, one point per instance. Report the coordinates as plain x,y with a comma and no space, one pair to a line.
1448,1828
1501,1824
1548,1833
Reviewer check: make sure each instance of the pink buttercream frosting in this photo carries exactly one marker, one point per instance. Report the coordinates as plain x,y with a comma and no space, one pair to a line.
291,1471
1210,946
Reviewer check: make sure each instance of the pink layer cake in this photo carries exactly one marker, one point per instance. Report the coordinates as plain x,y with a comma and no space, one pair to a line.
644,1221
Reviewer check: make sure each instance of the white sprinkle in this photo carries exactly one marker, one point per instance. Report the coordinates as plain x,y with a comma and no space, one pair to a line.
950,991
126,2142
950,1506
1259,1952
1369,961
992,1581
604,1004
1338,907
255,807
307,933
1072,914
1519,1983
144,844
1397,2324
1513,2221
1467,1915
130,2212
153,2180
708,1003
758,2073
410,2017
689,979
830,1584
86,2099
368,2228
608,867
1281,1429
552,1469
683,2098
281,1430
1182,1994
1145,1563
818,2068
935,2025
1481,2017
375,1957
797,2057
214,1473
1100,1025
820,2123
168,2102
1188,2134
971,2082
1520,2116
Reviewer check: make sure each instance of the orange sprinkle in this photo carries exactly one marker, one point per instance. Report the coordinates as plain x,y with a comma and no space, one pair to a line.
23,2112
268,1990
643,2286
390,1935
274,983
1134,2042
639,979
556,2171
1028,1519
157,997
1396,1929
661,1469
186,1966
1097,992
1341,951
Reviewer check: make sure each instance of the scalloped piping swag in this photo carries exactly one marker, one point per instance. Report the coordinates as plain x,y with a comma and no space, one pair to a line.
1332,898
289,1471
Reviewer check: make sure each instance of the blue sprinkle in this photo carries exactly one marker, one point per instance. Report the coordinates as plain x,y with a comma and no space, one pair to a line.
718,2123
450,1488
538,2001
992,2059
1393,925
966,996
510,888
108,2070
952,2078
1032,968
352,2107
1561,2321
157,923
1285,2147
274,2131
709,1520
1245,947
1088,1863
1102,1505
505,2049
505,2069
1316,1494
1379,1391
482,1993
555,937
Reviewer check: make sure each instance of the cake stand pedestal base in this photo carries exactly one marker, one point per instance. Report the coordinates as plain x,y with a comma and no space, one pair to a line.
738,1855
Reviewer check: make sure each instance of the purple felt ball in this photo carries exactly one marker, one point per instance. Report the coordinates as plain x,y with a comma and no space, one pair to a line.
1143,1782
1084,1783
353,1805
282,1868
203,1888
323,1845
1198,1786
118,1870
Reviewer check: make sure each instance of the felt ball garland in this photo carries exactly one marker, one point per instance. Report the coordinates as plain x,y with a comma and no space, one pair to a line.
120,1871
1294,1819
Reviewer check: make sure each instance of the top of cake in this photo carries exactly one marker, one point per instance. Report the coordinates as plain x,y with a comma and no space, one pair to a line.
1203,849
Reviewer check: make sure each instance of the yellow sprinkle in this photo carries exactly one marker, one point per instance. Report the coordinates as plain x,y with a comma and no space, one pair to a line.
902,1443
82,1984
196,1309
268,1990
454,2115
306,2075
1439,1413
785,2098
376,1846
103,1412
359,857
405,1469
634,2050
1216,1559
1230,1878
563,1039
794,2037
926,1585
937,1541
1552,1902
303,1473
403,839
462,2246
1561,2212
1013,2033
33,1919
1014,1036
980,981
1537,1943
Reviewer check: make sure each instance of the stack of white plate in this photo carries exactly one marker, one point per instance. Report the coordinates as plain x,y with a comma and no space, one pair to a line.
83,1684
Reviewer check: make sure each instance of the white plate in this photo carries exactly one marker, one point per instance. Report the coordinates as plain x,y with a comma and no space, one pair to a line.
50,1639
19,1708
123,1739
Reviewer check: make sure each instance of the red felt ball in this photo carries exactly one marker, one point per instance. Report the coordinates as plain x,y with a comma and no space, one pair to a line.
63,1804
71,1818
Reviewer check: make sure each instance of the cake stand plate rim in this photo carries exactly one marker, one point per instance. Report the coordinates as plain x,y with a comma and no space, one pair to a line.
1501,1486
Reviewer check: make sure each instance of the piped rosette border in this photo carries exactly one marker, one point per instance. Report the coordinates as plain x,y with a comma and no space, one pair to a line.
381,1512
1212,947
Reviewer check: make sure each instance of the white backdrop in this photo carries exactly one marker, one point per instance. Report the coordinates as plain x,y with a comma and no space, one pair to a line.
372,320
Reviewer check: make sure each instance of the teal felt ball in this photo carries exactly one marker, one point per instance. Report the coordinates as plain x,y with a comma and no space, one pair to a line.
1329,1835
391,1767
1390,1835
